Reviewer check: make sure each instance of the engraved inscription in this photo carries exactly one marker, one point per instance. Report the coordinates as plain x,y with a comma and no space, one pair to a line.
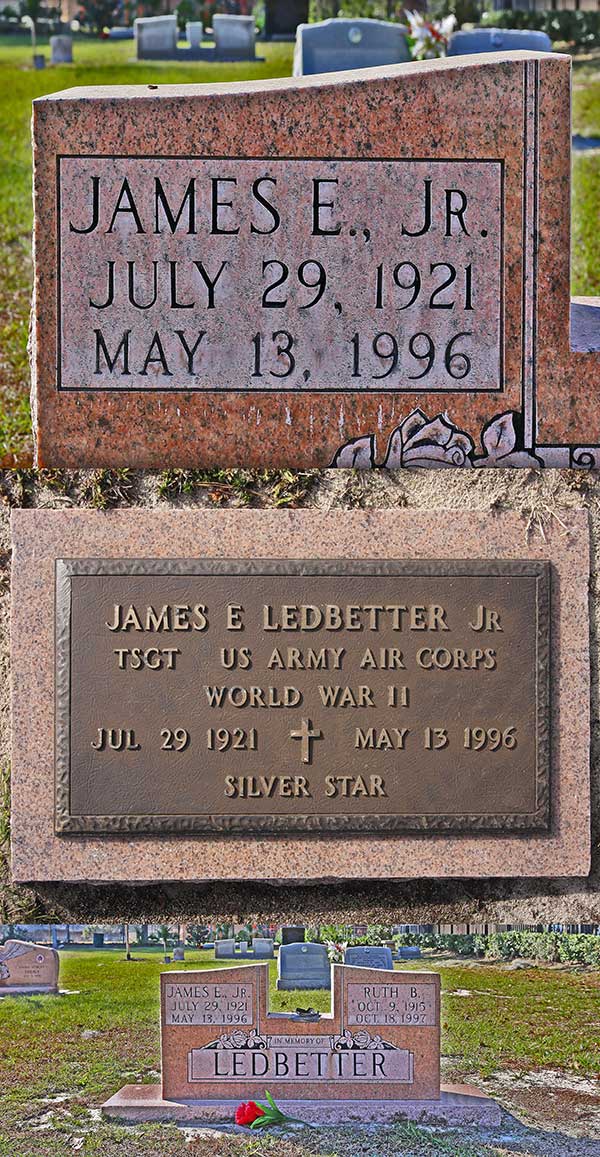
261,274
387,1004
188,1003
354,1057
211,695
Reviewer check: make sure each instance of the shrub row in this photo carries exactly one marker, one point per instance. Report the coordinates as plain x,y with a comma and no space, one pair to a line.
555,947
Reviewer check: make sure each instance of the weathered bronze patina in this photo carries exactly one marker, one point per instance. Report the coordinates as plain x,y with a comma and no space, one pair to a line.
218,695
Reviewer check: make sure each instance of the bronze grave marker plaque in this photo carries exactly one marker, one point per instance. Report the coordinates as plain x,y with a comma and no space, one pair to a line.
219,695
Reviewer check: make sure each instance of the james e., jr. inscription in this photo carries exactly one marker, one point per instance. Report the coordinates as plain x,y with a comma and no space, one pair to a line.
209,695
232,274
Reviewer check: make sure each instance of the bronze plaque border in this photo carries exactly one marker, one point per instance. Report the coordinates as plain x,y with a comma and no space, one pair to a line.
473,824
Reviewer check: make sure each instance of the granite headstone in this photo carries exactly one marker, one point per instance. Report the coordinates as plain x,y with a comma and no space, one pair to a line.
369,956
26,968
303,966
340,45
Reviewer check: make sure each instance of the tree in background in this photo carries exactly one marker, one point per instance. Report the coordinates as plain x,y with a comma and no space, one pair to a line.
98,14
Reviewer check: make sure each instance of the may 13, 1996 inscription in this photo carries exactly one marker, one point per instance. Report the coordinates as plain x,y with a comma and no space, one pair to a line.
287,274
217,695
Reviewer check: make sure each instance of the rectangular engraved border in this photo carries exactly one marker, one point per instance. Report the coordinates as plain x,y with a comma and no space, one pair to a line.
496,389
473,823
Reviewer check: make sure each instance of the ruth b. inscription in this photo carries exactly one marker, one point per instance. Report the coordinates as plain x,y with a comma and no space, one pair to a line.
222,695
386,1004
302,275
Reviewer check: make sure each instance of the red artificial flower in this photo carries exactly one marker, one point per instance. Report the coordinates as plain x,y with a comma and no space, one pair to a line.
248,1112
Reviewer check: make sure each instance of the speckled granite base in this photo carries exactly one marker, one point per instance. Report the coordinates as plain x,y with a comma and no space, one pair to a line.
42,536
458,1105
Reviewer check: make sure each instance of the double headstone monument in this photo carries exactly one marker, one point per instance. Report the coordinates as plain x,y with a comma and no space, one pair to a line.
267,275
340,45
398,684
27,969
303,966
375,1057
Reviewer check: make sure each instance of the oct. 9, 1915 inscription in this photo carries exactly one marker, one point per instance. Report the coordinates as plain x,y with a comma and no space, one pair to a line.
215,695
287,274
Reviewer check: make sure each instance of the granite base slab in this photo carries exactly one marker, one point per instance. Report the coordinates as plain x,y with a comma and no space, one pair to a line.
458,1105
28,990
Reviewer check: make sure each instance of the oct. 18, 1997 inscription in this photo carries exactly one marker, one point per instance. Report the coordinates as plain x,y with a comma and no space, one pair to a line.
219,695
280,274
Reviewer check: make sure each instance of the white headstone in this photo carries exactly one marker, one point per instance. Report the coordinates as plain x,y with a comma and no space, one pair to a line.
338,45
235,37
156,37
194,31
61,49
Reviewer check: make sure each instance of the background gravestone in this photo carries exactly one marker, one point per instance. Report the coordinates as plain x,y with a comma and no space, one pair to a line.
339,45
498,40
375,1057
224,949
282,18
369,956
262,948
156,37
61,49
235,37
408,952
27,968
293,934
303,966
194,31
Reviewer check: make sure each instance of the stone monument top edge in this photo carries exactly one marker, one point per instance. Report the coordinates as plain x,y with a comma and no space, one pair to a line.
363,76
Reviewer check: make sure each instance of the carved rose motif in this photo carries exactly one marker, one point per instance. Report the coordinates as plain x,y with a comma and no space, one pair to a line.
499,440
240,1039
361,1039
421,442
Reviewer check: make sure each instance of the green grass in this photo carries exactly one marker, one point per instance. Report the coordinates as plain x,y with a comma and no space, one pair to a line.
522,1020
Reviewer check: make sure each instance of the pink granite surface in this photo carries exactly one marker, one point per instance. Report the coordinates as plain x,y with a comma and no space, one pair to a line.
458,1105
42,536
511,109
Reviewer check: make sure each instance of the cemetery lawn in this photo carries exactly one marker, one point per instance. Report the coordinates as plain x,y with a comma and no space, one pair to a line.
109,62
61,1057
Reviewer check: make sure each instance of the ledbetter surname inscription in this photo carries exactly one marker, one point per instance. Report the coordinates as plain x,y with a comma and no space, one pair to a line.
212,695
288,274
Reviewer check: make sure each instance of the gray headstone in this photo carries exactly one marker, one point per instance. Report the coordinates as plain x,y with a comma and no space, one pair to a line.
409,952
178,954
194,31
61,49
498,40
262,948
156,37
235,37
337,45
369,956
293,934
119,32
282,18
303,966
224,949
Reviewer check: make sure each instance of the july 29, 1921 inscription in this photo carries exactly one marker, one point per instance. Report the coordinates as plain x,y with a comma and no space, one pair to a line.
218,695
235,274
